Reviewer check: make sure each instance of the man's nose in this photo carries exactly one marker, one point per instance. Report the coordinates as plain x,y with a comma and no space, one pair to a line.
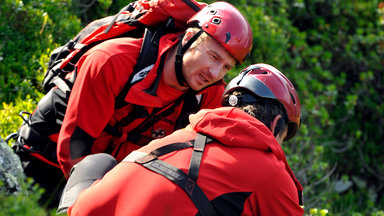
215,72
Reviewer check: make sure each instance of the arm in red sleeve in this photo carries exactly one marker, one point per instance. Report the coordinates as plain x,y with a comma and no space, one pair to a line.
90,106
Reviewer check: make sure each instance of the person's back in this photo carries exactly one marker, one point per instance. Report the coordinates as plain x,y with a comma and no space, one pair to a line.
243,170
239,174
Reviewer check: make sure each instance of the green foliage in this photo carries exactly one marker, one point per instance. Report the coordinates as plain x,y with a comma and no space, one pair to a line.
23,203
28,29
89,10
351,141
333,53
318,212
10,120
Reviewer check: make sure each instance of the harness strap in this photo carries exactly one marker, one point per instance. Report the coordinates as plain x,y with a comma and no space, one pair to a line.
197,154
136,155
135,135
192,5
186,181
148,56
156,115
137,139
179,57
129,8
61,84
171,148
187,184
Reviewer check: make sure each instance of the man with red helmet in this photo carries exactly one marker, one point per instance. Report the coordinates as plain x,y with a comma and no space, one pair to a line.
227,161
219,37
188,63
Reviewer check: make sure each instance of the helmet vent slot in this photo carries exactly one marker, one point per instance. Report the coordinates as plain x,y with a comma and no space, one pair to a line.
216,20
212,12
293,99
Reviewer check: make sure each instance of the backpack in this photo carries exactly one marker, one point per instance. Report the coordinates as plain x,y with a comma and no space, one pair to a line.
143,18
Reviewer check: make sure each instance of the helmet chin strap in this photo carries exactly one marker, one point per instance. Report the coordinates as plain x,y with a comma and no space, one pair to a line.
179,58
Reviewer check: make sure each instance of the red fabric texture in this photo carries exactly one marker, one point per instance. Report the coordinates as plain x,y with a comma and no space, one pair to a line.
166,8
152,13
247,158
103,72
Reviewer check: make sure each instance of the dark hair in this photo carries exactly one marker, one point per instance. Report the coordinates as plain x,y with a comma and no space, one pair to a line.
264,109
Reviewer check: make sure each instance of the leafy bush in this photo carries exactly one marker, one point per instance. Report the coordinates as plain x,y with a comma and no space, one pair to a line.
28,29
332,52
346,38
10,120
23,203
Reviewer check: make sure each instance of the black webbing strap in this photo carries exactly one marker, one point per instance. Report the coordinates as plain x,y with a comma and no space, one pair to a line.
197,154
170,148
148,56
186,181
129,8
135,135
181,49
192,5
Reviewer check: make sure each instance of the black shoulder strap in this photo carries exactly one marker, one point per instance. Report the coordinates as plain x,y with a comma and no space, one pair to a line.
190,105
147,58
192,5
151,119
186,181
197,154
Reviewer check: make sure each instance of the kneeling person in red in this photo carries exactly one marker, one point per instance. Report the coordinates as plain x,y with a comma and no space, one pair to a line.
227,161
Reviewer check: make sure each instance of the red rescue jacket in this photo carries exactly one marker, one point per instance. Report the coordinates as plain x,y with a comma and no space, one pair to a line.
102,73
244,172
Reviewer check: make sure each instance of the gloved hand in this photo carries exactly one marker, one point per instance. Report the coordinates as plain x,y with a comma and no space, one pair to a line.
82,175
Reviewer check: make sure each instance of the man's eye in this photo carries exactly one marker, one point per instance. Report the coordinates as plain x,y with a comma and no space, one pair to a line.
214,57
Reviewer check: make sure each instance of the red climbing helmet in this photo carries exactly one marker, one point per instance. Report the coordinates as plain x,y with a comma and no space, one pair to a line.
228,26
266,81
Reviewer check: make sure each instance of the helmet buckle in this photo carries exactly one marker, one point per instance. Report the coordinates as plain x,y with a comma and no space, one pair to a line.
233,100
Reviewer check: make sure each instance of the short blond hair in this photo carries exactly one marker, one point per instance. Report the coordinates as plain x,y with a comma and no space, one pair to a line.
202,37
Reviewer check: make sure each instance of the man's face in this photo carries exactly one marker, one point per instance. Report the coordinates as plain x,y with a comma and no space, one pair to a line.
206,62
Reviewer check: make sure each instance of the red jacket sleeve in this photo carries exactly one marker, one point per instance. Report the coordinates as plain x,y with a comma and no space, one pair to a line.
91,103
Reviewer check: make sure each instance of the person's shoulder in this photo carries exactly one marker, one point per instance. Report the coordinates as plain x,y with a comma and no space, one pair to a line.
116,46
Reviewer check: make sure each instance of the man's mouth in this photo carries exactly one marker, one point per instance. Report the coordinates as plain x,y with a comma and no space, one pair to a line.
203,79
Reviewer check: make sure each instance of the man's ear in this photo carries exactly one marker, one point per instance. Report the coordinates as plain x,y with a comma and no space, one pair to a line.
187,36
274,123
